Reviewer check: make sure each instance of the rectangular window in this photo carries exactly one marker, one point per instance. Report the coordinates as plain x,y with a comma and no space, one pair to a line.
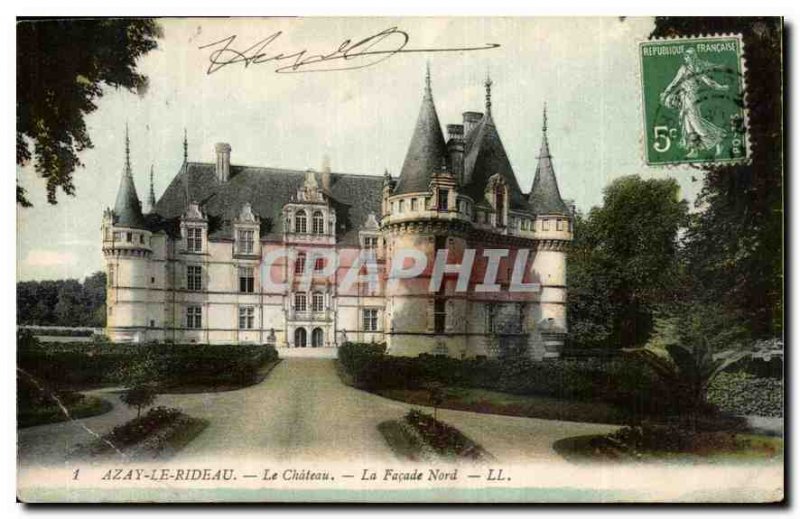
246,280
371,319
246,317
441,203
413,204
129,237
370,242
545,225
300,263
300,302
141,238
245,240
401,206
194,317
117,236
319,264
317,301
194,239
194,277
439,316
490,319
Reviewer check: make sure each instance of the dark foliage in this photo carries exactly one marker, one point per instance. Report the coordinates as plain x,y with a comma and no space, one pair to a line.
443,438
743,394
168,365
65,302
63,66
135,430
620,381
624,262
139,397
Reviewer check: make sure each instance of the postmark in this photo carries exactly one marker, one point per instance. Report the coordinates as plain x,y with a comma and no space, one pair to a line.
693,94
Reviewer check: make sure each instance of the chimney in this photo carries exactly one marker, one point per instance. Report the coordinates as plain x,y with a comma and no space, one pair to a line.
223,168
471,120
326,173
455,150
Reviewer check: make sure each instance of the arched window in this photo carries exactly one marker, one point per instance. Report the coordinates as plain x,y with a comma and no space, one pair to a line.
300,338
317,301
318,222
317,338
300,263
300,222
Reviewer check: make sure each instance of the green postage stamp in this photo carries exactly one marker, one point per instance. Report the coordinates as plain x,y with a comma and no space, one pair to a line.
693,95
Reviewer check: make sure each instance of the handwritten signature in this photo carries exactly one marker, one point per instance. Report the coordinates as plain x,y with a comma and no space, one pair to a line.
357,54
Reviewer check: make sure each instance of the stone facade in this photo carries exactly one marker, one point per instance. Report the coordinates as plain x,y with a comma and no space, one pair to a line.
221,256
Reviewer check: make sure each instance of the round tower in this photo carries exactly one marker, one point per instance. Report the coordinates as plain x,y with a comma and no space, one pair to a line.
421,217
127,250
552,230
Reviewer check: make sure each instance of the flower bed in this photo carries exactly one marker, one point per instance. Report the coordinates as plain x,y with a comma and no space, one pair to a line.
442,438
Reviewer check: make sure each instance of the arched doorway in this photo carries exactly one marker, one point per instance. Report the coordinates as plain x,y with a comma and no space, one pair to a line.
317,338
300,338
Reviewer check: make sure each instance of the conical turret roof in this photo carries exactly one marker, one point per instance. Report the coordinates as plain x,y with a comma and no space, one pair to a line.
487,156
128,208
427,150
545,197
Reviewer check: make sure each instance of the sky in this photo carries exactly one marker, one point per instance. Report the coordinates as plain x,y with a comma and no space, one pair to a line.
585,69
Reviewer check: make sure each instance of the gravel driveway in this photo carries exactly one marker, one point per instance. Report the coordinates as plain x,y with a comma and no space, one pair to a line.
303,412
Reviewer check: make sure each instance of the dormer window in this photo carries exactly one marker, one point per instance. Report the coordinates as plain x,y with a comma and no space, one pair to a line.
194,239
499,203
245,240
318,223
300,223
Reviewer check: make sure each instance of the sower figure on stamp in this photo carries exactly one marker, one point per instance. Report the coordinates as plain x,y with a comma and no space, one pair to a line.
697,133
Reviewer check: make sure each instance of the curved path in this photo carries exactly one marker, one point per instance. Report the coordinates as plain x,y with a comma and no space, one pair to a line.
303,412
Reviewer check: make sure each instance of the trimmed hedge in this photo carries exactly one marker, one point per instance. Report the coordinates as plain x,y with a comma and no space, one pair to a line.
744,394
618,380
86,364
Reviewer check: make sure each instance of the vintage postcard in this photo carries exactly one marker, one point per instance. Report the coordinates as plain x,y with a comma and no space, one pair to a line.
411,260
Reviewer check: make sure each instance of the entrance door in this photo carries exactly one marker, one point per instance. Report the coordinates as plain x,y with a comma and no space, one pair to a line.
300,338
317,338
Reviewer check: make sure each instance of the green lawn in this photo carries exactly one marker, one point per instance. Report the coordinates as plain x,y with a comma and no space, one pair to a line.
485,401
30,413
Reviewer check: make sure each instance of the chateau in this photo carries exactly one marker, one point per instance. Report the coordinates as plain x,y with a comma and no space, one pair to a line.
191,269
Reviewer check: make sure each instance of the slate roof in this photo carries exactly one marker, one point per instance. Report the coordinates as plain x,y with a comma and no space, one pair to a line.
484,155
545,197
267,190
426,151
128,208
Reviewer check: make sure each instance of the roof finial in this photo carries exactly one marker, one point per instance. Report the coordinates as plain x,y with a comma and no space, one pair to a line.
488,85
185,147
127,151
151,196
544,118
428,78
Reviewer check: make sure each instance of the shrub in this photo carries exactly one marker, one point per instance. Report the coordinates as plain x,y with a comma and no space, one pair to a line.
87,363
744,394
443,438
139,397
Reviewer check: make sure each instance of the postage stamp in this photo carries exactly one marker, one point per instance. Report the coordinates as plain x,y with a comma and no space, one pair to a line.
693,95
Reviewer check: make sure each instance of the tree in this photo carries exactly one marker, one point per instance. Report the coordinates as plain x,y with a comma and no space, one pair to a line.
734,245
65,302
62,68
625,262
139,397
